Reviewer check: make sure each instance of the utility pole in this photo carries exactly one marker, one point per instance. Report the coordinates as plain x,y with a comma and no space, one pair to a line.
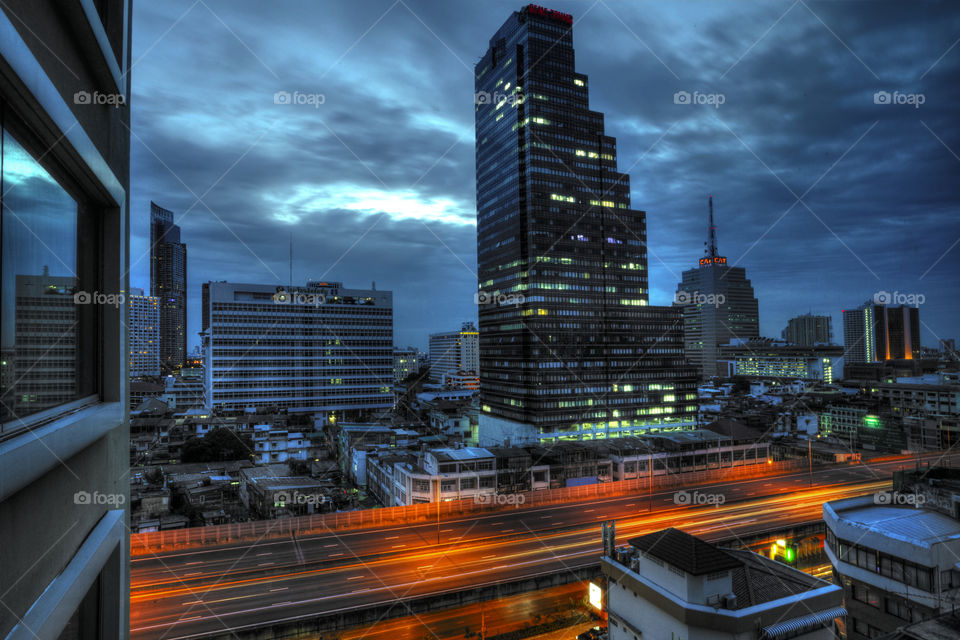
438,507
810,457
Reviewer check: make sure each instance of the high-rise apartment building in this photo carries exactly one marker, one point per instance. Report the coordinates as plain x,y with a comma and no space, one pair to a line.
64,212
168,282
144,326
808,330
875,332
569,349
454,351
320,348
718,306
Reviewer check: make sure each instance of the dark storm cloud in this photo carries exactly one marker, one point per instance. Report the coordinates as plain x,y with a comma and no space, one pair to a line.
377,183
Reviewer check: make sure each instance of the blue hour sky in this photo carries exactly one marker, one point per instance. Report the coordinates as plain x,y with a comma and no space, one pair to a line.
834,158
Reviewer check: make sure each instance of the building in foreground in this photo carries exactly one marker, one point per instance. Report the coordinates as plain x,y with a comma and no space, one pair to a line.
719,306
764,358
670,584
168,283
144,325
454,352
320,348
895,553
809,330
569,348
64,212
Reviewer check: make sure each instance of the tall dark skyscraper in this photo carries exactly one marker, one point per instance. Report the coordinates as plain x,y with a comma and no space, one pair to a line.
718,306
569,348
168,282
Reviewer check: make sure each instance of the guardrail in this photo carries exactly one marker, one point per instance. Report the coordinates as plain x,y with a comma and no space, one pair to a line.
158,541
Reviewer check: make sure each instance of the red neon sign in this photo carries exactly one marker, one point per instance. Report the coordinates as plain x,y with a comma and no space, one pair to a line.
537,10
717,260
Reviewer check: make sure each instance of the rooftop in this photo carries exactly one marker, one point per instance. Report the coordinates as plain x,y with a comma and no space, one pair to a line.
685,551
946,627
466,453
755,578
918,526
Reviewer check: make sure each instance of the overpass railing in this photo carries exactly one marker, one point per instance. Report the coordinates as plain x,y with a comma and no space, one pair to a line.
157,541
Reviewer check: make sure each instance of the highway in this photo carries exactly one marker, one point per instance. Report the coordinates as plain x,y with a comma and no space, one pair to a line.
194,592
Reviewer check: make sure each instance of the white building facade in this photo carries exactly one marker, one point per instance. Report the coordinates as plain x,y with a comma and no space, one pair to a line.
321,348
454,351
144,334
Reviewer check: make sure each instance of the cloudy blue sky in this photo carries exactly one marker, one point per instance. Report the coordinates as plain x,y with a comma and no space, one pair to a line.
824,195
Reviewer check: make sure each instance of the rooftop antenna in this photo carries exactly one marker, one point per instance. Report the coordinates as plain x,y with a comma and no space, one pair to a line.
291,259
711,235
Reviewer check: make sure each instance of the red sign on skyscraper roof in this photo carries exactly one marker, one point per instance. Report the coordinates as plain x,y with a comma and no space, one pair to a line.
537,10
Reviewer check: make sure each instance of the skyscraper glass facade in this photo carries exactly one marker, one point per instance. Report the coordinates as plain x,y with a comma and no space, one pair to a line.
568,344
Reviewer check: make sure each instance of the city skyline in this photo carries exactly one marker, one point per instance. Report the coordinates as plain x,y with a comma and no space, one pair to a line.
563,469
313,170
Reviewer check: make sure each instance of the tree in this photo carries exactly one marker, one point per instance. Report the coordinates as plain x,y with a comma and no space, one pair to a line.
153,476
218,444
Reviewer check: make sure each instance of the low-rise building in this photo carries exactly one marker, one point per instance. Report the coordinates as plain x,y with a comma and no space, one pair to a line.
403,478
765,358
895,557
670,584
269,492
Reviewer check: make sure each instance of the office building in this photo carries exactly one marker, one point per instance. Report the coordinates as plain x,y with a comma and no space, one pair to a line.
765,358
808,330
454,351
670,584
64,212
875,332
168,282
405,362
569,348
895,554
320,348
718,307
144,326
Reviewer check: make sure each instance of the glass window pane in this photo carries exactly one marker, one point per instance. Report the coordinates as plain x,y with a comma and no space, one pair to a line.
39,327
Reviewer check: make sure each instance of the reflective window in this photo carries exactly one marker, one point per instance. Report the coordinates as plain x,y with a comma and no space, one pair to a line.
39,315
